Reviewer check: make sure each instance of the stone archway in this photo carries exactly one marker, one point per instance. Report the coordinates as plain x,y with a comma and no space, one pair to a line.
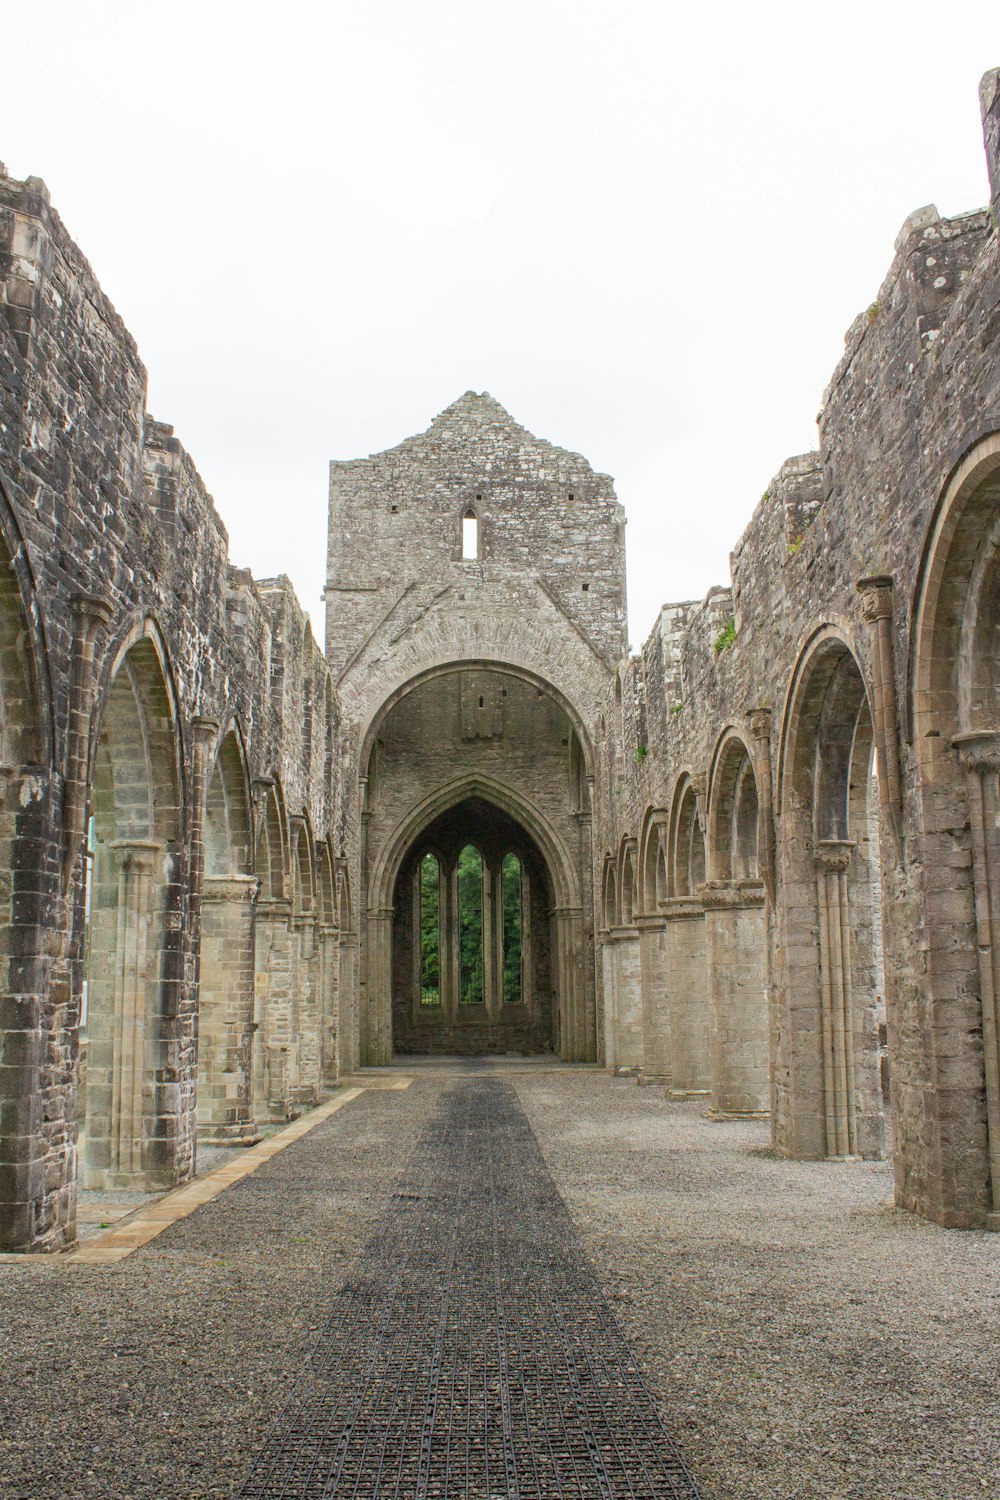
505,742
832,1024
472,938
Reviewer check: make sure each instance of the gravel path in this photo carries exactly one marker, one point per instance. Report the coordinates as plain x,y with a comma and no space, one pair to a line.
808,1341
805,1339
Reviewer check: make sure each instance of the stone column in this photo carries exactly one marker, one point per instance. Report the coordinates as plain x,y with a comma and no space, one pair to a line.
624,1040
349,1052
979,755
329,1007
685,967
832,860
203,736
225,1014
379,1053
876,605
90,615
737,979
273,1019
119,1113
656,1046
760,730
568,928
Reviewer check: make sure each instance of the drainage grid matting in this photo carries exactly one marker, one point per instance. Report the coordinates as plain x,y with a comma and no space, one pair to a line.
472,1353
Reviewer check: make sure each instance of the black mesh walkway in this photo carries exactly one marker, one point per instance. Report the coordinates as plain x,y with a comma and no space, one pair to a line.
472,1354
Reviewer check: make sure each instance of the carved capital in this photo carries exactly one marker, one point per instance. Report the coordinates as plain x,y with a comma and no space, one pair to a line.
979,750
833,855
92,610
235,888
204,729
259,788
136,855
759,720
876,597
731,895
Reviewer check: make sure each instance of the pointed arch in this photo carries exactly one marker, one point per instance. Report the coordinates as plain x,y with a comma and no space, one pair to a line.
686,862
732,810
653,845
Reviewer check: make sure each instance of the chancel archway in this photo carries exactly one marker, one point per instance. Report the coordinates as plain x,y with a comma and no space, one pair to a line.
483,769
471,943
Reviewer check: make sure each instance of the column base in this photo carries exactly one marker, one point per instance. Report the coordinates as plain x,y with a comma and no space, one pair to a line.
992,1221
624,1071
246,1133
688,1093
737,1114
653,1078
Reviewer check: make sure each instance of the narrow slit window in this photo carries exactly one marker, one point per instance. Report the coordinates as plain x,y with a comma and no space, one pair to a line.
430,931
470,925
470,536
511,883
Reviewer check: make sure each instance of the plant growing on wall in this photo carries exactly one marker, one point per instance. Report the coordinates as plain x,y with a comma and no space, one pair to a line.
725,638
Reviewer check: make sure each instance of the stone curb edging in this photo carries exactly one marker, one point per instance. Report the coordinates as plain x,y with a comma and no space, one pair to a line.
117,1243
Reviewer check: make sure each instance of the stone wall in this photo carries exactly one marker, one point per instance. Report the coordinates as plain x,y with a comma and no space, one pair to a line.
138,665
848,655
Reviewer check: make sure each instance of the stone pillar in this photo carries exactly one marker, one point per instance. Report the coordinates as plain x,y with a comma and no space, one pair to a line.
979,754
225,1012
568,929
329,1006
832,860
760,730
656,1047
273,1017
685,968
349,1049
203,736
588,972
379,1053
307,1042
89,616
737,980
623,1018
876,605
124,1039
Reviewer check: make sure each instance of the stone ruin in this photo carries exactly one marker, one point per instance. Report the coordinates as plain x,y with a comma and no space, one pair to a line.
758,862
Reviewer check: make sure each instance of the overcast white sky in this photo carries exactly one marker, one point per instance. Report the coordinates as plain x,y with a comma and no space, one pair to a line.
645,228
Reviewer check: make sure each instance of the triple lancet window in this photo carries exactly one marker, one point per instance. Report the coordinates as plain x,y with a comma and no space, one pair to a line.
469,930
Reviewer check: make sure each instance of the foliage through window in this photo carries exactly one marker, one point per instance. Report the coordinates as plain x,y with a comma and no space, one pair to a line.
430,931
510,878
470,926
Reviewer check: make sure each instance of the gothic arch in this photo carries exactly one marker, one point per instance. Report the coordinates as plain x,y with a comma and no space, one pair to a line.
834,986
955,715
135,898
686,865
609,894
226,958
383,876
732,810
628,896
653,875
449,667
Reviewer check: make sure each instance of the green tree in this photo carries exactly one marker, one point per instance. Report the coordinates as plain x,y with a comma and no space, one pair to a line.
470,925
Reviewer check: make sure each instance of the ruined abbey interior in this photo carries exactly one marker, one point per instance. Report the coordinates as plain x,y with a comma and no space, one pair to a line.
755,863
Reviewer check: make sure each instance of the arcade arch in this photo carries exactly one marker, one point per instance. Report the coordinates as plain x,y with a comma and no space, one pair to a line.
834,1032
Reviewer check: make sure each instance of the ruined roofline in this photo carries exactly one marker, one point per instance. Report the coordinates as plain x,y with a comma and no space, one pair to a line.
30,197
469,401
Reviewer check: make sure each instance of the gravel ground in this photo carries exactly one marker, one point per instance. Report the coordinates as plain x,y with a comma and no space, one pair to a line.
157,1379
805,1339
